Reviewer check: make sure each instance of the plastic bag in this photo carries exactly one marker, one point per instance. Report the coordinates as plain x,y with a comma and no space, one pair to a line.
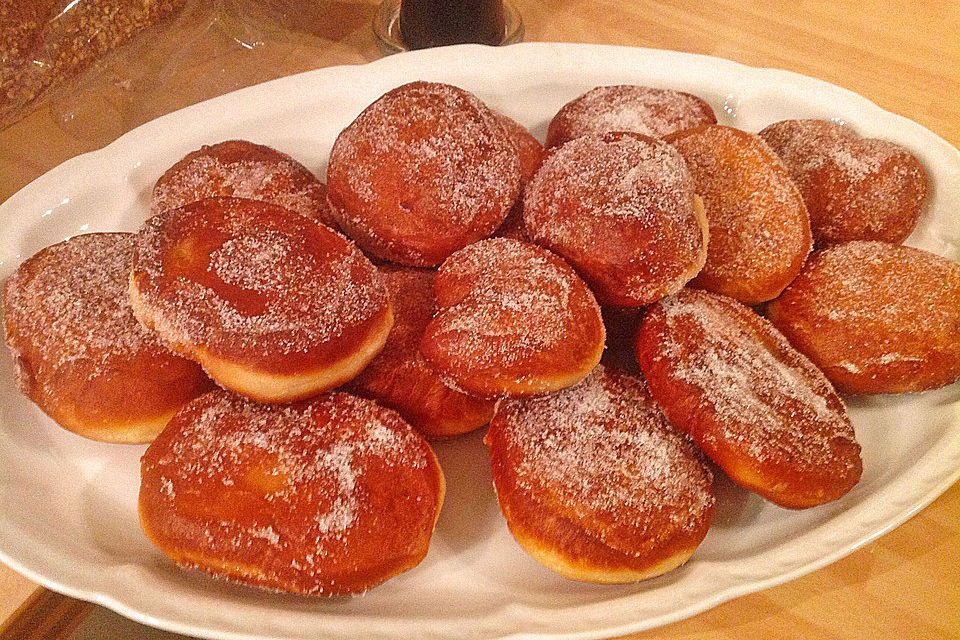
44,43
103,54
199,49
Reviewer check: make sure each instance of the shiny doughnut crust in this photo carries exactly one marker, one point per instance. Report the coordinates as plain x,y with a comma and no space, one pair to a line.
596,485
273,305
79,353
242,169
621,209
756,406
875,317
759,227
854,189
645,110
326,497
515,320
423,171
400,379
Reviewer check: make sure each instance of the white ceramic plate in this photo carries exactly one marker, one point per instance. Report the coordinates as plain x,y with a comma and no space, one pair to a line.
68,505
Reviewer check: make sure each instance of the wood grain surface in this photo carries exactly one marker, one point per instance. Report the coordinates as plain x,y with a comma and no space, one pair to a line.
904,56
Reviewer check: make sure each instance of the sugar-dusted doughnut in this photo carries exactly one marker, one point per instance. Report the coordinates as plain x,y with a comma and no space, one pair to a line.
646,110
620,208
273,305
854,188
759,227
875,317
529,149
756,406
531,157
423,171
79,353
596,484
399,377
334,495
242,169
514,320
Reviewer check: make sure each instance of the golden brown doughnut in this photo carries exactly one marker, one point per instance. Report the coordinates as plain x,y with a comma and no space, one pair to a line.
330,496
515,320
531,157
759,227
595,483
273,305
621,209
79,352
242,169
756,406
875,317
422,172
645,110
854,189
400,379
529,149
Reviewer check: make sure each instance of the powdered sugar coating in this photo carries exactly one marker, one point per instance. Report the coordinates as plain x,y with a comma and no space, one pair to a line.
242,169
511,314
728,378
515,291
316,497
75,294
645,110
422,172
602,455
620,208
876,317
867,277
254,282
740,374
80,353
759,227
854,189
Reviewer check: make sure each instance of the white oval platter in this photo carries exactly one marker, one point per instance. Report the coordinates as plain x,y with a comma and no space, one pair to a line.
68,506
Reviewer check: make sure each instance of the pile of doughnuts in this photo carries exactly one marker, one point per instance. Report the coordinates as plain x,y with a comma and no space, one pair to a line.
287,346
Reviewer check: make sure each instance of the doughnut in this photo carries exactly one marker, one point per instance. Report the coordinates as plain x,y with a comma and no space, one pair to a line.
875,317
273,305
621,209
756,406
242,169
399,377
854,188
514,320
79,353
531,157
422,172
596,484
529,149
329,496
646,110
759,227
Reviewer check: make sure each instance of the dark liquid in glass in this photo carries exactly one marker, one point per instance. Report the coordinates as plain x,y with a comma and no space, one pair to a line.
434,23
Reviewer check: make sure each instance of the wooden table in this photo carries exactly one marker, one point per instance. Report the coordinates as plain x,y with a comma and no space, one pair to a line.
905,56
